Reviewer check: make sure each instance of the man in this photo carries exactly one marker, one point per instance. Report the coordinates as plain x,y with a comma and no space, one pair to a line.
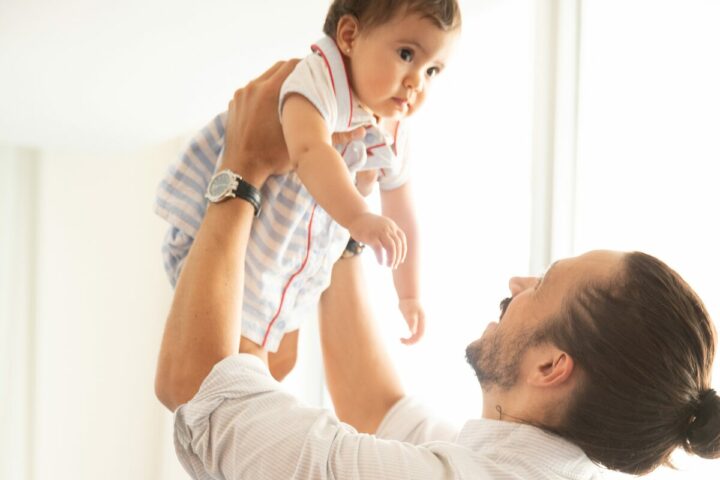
605,359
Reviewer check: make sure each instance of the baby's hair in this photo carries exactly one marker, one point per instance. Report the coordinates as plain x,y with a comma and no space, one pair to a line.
372,13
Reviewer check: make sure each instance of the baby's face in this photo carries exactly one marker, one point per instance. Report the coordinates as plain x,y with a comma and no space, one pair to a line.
394,64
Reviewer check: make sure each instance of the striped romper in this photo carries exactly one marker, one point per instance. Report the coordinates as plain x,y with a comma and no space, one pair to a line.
294,242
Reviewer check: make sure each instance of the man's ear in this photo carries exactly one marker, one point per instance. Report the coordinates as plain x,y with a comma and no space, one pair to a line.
348,29
551,368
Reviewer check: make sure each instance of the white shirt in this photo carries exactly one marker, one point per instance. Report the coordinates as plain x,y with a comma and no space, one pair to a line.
242,425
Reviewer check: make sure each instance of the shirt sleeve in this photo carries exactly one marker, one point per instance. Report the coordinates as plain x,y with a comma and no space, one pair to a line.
311,79
410,421
241,424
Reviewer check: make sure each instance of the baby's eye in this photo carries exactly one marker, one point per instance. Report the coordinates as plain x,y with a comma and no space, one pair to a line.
406,54
432,71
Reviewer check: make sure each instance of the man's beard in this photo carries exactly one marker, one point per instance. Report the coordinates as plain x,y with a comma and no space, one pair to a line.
496,358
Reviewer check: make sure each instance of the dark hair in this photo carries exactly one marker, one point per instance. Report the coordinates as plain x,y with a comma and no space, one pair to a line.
371,13
645,346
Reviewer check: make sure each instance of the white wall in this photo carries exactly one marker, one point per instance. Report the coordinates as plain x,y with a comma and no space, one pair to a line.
101,303
18,168
80,344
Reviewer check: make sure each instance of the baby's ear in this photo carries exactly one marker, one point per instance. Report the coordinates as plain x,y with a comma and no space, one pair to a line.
348,29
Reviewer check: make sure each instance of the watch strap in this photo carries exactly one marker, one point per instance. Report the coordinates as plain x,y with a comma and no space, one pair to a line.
352,248
249,193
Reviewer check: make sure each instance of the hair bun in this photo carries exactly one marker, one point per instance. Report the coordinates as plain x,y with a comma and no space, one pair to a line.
704,430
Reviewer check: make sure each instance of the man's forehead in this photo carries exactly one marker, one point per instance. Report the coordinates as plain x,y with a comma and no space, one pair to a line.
596,264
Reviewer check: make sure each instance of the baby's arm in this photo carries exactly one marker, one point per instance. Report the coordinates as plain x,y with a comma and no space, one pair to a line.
398,205
325,175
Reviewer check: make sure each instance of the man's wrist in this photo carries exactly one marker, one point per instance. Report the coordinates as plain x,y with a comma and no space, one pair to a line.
254,175
256,178
352,248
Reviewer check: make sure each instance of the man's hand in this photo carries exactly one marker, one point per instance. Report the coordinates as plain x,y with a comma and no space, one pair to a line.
380,233
364,180
254,143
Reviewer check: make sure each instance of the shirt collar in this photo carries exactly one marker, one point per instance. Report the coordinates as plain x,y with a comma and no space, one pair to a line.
517,442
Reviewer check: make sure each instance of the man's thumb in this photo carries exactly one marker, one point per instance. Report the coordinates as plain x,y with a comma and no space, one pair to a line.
341,138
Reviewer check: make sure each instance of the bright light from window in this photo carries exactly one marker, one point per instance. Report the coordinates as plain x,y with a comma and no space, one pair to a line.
649,144
471,152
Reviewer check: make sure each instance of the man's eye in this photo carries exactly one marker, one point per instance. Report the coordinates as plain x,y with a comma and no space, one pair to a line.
432,71
406,54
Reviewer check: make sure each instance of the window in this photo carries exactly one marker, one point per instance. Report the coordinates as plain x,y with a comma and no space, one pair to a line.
648,145
474,137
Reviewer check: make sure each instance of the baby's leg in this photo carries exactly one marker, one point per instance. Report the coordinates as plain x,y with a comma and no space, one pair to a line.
282,362
249,346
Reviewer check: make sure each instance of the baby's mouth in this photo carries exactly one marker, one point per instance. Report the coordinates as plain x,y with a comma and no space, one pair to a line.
401,102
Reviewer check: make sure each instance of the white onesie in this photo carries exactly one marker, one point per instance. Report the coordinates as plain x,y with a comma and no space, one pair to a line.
294,242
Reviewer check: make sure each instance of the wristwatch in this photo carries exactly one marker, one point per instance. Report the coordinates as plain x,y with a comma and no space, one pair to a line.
228,184
353,248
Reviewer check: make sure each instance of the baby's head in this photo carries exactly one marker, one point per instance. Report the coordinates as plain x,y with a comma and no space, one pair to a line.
393,48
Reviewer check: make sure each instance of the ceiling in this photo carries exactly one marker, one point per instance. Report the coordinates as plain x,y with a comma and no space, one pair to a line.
101,75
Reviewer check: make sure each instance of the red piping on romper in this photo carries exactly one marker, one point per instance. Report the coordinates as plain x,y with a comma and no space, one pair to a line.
287,285
373,147
315,48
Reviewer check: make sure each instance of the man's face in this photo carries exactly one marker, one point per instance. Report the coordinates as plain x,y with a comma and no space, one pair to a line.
498,357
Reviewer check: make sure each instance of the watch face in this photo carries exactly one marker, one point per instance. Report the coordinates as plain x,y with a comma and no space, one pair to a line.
219,185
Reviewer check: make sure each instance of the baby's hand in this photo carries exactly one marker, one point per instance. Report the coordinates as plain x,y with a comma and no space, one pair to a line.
380,233
415,318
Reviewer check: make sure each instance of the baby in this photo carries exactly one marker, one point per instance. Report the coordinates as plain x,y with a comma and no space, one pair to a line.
373,69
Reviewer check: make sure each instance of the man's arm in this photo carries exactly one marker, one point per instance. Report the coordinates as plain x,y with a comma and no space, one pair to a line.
362,381
203,326
241,424
360,376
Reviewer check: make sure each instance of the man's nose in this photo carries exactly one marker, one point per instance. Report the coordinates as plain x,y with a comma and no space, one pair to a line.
520,284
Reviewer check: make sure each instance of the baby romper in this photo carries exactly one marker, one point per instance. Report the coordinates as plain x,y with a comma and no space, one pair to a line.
293,242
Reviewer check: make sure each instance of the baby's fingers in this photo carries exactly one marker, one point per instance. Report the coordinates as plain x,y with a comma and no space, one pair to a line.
420,331
378,249
412,323
391,248
416,324
403,243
